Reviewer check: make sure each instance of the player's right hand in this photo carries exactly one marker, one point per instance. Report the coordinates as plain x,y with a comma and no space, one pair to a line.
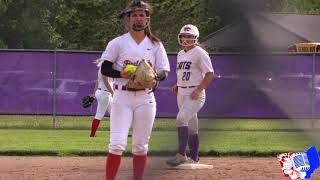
126,75
174,89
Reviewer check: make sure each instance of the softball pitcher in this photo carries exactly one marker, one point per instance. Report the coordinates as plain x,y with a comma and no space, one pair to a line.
131,107
194,73
103,93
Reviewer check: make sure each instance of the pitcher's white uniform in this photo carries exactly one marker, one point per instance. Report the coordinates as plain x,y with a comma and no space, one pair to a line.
191,69
103,96
132,108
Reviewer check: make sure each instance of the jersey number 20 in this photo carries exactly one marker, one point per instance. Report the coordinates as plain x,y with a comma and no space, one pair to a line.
186,76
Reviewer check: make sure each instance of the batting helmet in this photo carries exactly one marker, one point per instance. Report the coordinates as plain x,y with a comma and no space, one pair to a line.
188,29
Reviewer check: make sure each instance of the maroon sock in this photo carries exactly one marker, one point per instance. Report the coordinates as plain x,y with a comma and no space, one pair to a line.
139,164
94,127
193,142
182,139
112,166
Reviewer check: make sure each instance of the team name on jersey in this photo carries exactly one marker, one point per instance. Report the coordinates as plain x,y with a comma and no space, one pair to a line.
184,65
126,62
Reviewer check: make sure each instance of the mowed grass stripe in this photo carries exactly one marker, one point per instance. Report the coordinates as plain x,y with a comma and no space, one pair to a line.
78,142
161,124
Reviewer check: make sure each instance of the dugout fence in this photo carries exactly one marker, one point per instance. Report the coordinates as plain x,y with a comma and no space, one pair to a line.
261,85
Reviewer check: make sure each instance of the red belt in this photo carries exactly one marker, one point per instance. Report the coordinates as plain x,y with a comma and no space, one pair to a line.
124,88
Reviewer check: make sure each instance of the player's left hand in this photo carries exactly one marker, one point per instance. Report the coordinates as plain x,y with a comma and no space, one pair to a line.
195,94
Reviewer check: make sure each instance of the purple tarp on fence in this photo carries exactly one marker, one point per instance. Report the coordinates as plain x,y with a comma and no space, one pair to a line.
247,86
21,77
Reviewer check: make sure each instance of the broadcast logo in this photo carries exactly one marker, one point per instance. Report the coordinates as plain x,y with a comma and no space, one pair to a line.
299,165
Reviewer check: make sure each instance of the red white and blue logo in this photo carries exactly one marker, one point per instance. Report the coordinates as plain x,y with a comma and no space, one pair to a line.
299,165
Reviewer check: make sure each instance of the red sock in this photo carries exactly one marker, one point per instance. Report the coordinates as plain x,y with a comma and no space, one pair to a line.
112,166
139,164
94,127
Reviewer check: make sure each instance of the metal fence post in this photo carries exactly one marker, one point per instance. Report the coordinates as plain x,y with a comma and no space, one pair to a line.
313,96
54,92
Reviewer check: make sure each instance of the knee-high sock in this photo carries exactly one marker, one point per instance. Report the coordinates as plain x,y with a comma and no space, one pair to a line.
112,166
94,127
139,164
183,139
194,146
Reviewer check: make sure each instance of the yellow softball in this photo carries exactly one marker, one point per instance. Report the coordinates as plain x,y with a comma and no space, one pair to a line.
130,68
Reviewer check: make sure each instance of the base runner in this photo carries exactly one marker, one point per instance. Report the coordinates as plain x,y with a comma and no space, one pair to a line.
194,73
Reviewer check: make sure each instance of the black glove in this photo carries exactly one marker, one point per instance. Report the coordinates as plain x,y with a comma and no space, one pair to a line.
87,101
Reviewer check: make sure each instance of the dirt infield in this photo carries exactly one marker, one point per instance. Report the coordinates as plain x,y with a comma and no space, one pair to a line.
93,168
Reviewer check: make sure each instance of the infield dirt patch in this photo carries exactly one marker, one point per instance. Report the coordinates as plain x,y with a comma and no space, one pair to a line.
93,168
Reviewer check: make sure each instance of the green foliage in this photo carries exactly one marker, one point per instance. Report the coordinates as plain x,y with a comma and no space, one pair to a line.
170,16
4,5
3,45
302,6
23,24
91,24
86,25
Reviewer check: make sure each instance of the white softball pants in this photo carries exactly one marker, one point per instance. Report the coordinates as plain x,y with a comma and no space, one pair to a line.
131,109
188,109
104,100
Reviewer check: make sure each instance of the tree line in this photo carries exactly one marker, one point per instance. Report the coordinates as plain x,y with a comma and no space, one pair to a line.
90,24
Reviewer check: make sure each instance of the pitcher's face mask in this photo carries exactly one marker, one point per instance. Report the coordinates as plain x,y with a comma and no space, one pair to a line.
138,20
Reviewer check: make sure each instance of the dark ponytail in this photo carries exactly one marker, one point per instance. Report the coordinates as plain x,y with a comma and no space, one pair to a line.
151,36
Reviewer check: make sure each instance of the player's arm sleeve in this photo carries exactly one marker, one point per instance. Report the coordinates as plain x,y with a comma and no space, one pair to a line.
205,63
107,70
111,52
109,56
162,63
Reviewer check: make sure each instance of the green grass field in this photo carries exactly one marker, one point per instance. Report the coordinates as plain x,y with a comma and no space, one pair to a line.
34,135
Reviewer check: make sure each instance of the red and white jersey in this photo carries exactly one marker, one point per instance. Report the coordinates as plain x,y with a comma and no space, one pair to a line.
123,50
101,84
192,67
